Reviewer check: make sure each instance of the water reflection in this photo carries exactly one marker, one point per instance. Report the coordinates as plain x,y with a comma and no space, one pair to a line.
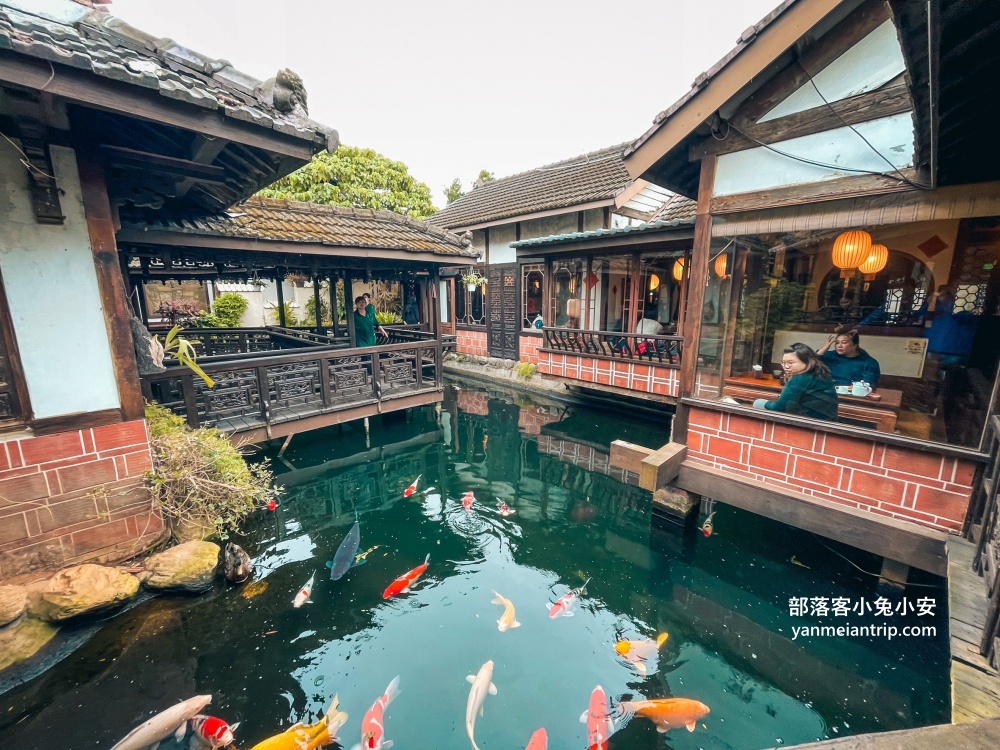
723,601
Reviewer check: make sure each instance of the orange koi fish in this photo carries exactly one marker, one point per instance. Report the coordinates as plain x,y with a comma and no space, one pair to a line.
402,584
598,720
508,620
565,604
637,653
468,499
308,737
539,741
373,725
668,713
505,510
408,492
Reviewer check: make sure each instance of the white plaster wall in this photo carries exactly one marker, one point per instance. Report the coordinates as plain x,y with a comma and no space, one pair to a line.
500,249
51,284
870,63
593,219
761,169
549,225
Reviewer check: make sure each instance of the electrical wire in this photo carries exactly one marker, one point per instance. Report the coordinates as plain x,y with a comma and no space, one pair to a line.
868,572
25,161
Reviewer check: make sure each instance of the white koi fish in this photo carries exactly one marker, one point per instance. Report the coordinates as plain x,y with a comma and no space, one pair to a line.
508,620
482,684
305,592
173,720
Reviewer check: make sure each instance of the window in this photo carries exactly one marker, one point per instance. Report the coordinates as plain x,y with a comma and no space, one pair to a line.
469,304
928,320
532,293
567,296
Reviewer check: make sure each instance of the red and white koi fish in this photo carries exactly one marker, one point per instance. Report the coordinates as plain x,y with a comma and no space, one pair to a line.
468,499
402,584
539,741
482,683
667,713
272,505
213,731
706,528
408,492
373,725
564,605
637,653
305,592
164,724
505,510
598,720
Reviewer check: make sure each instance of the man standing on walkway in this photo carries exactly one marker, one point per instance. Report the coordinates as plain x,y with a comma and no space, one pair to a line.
365,323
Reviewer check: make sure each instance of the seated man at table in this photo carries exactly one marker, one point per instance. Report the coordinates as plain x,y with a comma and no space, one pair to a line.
808,390
848,362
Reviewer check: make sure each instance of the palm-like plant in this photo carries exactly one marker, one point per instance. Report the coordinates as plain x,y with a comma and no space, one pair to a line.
183,351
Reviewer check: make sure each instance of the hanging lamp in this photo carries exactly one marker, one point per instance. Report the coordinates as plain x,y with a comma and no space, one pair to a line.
678,271
850,250
878,256
722,266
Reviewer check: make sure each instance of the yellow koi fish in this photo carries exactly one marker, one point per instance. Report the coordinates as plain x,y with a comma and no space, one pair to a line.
302,737
508,619
637,653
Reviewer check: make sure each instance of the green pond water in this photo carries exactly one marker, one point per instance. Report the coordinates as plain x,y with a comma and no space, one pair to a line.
723,600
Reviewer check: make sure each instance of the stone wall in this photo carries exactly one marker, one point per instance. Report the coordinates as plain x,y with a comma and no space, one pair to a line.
923,487
75,496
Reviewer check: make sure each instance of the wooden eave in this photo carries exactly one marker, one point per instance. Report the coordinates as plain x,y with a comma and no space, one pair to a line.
625,243
535,215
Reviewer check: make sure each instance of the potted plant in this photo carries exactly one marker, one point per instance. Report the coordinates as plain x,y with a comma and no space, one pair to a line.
472,280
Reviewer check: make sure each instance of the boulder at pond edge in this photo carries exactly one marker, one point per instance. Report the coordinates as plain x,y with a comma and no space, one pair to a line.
187,567
13,600
82,590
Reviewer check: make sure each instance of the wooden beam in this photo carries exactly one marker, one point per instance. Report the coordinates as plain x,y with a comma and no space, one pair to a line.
842,188
697,272
534,215
898,540
184,168
628,456
349,308
334,314
111,285
660,467
279,288
317,305
85,88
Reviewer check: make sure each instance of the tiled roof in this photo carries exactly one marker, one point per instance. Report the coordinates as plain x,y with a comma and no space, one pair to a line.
336,226
599,175
649,227
65,32
677,208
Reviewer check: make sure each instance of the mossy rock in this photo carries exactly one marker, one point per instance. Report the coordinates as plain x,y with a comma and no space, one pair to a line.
187,567
23,639
83,590
13,600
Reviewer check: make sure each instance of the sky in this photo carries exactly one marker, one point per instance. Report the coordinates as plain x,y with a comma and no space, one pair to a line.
450,87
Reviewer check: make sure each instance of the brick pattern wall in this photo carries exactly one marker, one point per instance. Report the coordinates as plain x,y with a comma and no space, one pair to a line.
632,375
531,419
586,457
75,496
471,342
474,402
529,347
925,488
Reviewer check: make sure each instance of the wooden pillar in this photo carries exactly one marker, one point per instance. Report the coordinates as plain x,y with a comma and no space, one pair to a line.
334,315
585,316
279,283
548,294
697,274
110,284
633,295
434,319
316,304
349,307
736,275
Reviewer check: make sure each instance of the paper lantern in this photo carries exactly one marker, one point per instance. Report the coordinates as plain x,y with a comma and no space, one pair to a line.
850,250
878,256
678,269
654,282
722,266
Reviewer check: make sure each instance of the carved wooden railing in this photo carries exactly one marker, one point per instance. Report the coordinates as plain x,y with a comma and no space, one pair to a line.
276,387
654,349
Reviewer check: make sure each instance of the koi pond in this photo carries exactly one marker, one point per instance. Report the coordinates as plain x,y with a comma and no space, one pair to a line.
733,640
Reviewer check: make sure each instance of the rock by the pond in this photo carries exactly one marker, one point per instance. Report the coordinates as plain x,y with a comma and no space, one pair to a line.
84,589
23,639
13,600
187,567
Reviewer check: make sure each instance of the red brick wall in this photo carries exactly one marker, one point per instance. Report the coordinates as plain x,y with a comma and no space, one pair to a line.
529,348
632,375
53,509
531,419
471,342
927,488
474,402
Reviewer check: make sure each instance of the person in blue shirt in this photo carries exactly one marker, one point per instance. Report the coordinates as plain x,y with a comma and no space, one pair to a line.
808,390
848,362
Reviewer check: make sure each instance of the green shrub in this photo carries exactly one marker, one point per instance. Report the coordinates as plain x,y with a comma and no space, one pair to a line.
229,308
200,478
387,318
290,319
324,306
525,370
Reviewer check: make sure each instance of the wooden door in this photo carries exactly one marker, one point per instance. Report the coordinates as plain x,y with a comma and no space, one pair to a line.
446,300
503,323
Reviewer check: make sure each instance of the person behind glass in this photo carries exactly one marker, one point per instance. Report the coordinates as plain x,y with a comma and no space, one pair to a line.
848,362
365,324
808,390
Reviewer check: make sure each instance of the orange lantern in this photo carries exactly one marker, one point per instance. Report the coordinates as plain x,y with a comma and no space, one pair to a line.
850,250
678,271
878,256
722,266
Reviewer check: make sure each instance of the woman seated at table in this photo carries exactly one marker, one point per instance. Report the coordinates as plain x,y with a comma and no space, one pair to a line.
848,362
808,390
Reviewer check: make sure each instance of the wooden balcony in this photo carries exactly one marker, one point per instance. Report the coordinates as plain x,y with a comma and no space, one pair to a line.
630,347
277,382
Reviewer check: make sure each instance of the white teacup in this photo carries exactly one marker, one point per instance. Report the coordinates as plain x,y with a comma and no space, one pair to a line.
843,389
860,389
